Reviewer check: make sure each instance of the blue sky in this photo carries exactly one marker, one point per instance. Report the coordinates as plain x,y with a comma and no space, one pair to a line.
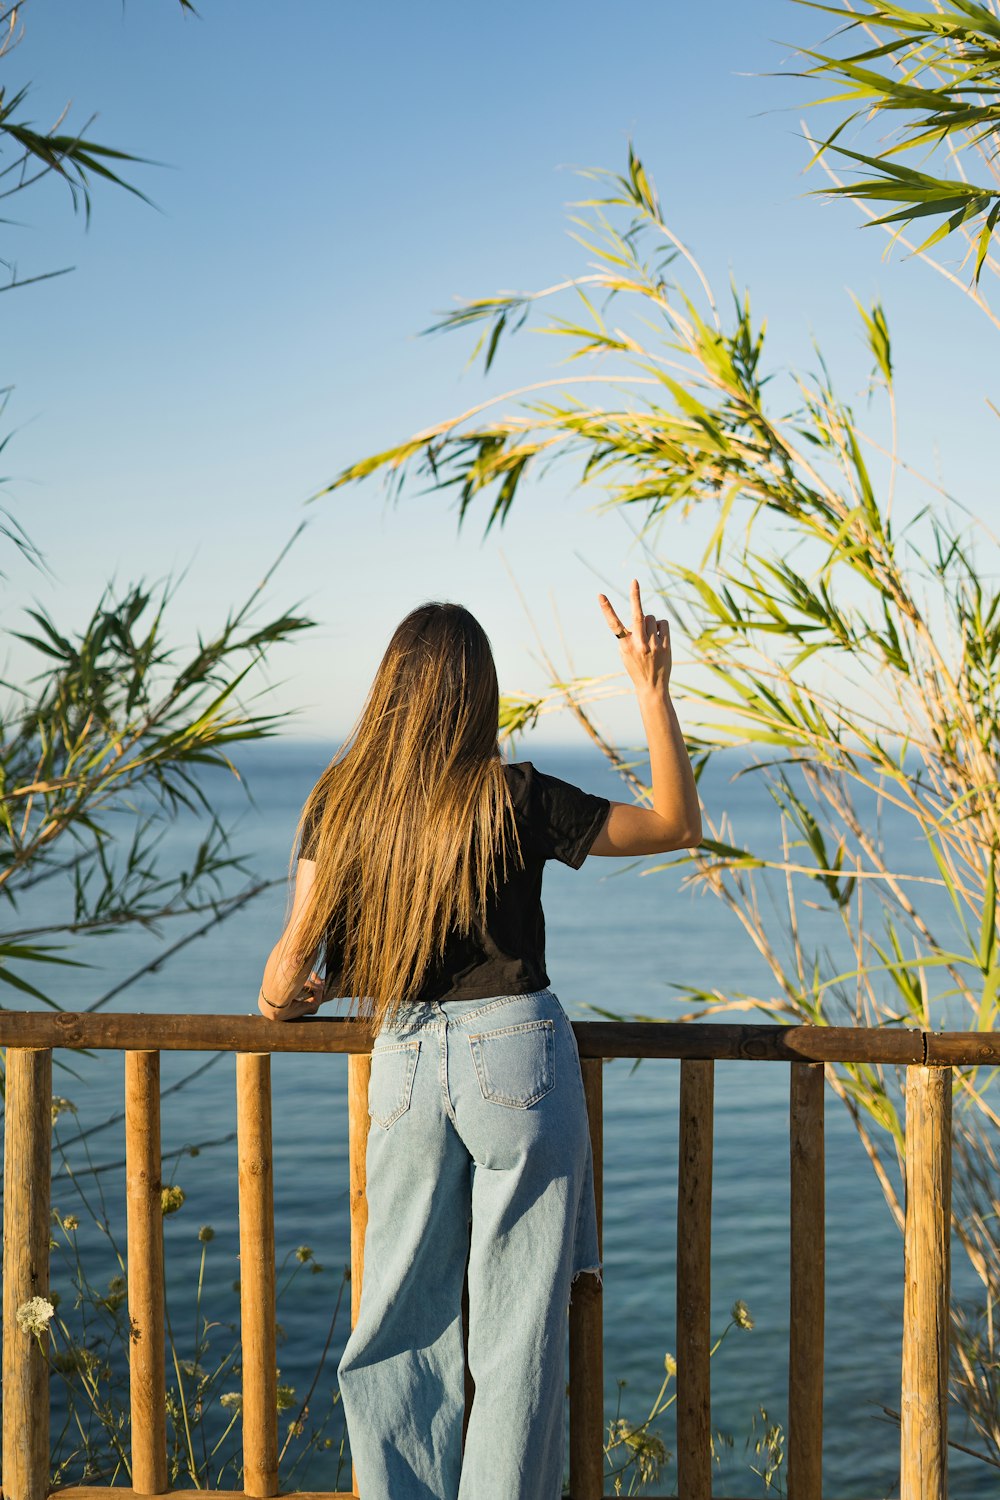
334,176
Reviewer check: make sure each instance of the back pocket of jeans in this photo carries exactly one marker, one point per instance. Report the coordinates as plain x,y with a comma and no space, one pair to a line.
391,1081
516,1065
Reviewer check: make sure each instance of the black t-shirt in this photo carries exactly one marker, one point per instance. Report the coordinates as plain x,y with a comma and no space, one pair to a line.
505,955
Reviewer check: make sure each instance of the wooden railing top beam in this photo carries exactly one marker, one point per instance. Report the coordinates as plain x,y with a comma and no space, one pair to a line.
685,1039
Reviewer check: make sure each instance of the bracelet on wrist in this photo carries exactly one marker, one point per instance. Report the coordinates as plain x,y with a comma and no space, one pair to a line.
270,1003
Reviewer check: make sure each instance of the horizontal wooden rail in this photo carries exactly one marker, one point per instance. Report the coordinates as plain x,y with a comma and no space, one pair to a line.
961,1048
680,1039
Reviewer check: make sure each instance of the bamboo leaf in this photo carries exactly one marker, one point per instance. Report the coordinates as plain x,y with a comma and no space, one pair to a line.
988,930
985,236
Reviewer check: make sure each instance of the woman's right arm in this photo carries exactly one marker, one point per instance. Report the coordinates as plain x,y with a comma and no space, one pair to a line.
674,820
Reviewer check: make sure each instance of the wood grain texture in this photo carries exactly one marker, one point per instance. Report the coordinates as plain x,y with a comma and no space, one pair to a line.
144,1223
806,1286
27,1179
754,1043
926,1285
257,1294
358,1073
689,1039
586,1326
965,1047
182,1032
694,1282
359,1069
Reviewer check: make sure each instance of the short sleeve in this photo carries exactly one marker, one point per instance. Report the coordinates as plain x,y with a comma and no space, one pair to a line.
560,820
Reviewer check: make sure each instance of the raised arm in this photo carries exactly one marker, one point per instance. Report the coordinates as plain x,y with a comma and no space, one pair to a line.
674,820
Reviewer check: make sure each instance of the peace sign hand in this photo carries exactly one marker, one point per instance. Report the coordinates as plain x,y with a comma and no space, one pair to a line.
645,648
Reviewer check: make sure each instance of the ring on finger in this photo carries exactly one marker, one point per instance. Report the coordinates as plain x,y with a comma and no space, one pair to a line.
620,633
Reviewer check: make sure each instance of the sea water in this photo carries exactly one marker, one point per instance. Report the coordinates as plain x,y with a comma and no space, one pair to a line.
622,937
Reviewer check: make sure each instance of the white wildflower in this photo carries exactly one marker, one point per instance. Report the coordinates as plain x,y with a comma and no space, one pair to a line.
33,1316
741,1314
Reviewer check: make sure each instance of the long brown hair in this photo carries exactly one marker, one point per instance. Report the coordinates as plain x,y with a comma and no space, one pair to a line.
409,820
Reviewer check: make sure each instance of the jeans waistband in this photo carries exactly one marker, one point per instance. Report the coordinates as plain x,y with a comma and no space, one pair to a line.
435,1014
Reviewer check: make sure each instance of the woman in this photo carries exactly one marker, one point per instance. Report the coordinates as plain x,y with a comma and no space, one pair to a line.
419,877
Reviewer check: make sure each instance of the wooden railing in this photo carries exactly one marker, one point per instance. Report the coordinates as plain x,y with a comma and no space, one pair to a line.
928,1058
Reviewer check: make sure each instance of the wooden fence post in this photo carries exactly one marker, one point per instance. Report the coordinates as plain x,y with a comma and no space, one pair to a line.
144,1218
926,1285
257,1311
586,1326
26,1230
806,1290
694,1280
359,1068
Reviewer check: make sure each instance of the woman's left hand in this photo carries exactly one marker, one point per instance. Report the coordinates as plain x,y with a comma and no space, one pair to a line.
306,1003
313,993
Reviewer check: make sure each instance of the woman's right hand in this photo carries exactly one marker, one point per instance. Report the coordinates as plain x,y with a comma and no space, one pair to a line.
674,820
645,650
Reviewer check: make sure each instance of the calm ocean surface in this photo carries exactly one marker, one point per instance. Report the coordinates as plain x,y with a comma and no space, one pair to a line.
618,940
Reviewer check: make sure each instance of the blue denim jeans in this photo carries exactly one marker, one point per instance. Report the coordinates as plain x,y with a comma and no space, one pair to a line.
478,1156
